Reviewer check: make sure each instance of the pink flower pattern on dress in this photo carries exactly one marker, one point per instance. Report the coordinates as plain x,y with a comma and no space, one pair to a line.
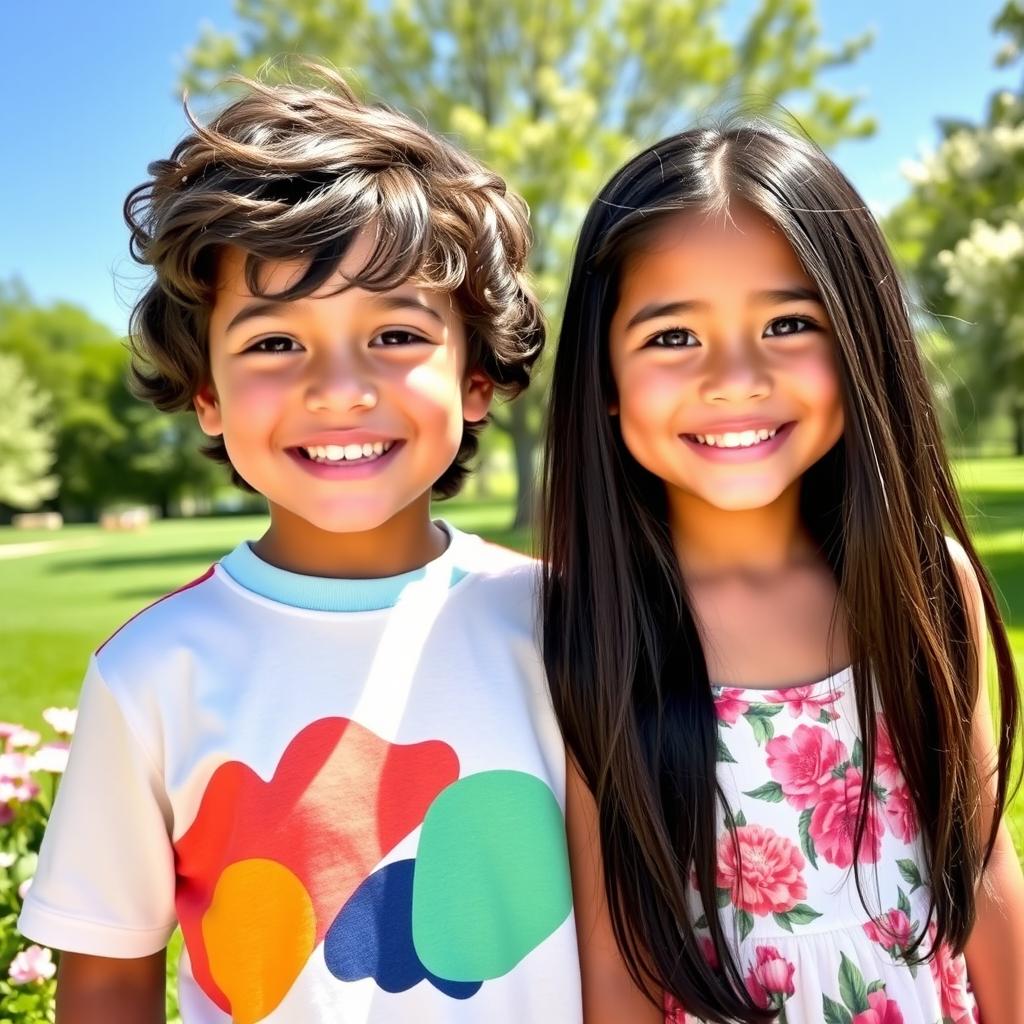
771,880
900,815
806,701
770,978
892,931
729,706
950,974
834,822
793,783
882,1010
802,763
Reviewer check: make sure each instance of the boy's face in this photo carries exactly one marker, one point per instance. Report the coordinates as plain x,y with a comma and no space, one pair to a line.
341,409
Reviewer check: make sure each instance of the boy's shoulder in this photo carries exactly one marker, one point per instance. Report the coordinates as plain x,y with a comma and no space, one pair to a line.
154,630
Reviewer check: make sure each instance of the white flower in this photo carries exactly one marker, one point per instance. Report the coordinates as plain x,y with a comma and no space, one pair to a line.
61,720
51,757
22,739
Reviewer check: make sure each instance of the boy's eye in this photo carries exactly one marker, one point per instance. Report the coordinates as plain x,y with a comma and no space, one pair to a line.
788,325
275,343
677,337
392,339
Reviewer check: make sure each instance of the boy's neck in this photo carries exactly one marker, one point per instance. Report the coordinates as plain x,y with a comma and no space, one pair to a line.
712,542
407,541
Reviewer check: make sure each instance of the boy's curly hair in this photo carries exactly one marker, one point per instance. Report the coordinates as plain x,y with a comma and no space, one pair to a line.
288,171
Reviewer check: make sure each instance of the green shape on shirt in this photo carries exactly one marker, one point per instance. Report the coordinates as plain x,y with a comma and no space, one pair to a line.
492,875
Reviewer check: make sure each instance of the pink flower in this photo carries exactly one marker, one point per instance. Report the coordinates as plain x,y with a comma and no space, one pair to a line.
771,976
892,931
6,813
22,739
707,947
801,700
51,757
16,782
767,878
61,720
32,964
887,768
729,707
900,814
950,974
802,763
883,1010
834,822
9,729
24,888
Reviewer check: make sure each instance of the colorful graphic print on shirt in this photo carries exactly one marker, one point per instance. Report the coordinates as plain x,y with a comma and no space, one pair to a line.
269,871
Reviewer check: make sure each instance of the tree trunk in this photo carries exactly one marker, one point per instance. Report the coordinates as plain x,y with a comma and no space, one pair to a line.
1018,429
525,446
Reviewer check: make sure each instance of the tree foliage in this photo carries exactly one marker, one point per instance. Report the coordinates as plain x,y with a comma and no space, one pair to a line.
961,233
109,447
554,96
26,438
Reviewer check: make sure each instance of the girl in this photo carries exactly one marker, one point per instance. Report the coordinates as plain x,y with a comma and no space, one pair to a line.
767,656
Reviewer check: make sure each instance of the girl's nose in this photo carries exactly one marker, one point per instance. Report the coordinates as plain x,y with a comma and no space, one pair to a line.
735,374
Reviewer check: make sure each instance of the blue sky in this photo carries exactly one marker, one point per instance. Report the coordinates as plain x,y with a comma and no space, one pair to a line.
94,88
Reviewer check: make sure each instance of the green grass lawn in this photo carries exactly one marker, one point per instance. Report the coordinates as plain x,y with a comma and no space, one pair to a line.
57,607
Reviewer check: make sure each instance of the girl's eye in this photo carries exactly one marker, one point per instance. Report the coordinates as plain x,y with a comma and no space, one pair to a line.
393,339
788,325
677,337
275,343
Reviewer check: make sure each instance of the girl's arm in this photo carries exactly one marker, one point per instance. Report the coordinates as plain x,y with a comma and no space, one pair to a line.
609,994
995,949
104,990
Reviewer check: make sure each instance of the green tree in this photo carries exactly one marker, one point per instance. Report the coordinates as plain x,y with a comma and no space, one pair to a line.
554,95
26,439
961,234
110,447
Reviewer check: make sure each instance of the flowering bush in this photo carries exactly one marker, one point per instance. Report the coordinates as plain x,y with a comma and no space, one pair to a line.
29,772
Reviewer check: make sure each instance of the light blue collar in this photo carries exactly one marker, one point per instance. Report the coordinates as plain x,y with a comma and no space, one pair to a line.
324,594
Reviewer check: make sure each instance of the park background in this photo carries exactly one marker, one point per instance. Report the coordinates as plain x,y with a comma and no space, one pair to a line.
921,103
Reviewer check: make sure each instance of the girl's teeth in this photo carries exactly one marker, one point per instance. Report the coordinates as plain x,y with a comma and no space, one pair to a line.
739,439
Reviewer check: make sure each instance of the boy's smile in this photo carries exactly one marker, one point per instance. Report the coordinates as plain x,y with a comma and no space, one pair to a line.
342,408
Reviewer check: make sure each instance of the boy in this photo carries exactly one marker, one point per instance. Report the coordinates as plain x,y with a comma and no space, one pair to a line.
331,759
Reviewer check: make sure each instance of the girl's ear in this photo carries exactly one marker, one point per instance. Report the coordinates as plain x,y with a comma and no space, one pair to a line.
207,408
477,394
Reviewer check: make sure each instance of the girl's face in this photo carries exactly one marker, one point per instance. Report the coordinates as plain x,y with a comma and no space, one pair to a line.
723,361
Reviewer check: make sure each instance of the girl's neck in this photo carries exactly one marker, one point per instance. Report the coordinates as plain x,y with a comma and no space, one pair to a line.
713,542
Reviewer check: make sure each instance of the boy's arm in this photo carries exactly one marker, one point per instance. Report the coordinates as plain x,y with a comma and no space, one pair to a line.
610,995
105,990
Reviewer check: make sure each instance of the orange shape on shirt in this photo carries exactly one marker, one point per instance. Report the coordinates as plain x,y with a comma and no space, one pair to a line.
340,799
259,932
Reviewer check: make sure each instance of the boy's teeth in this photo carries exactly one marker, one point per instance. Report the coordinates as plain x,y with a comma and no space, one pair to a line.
739,439
348,452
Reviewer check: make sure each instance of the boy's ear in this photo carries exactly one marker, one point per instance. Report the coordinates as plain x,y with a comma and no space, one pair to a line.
207,408
477,394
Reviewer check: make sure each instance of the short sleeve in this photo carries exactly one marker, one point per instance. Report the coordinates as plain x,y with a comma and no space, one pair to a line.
105,880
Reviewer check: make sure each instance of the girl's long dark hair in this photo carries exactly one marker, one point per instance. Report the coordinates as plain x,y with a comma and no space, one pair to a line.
627,672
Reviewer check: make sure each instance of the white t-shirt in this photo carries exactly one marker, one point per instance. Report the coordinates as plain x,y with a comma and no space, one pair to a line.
349,794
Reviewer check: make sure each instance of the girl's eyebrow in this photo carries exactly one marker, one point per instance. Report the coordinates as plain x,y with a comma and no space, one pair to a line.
773,297
795,293
653,310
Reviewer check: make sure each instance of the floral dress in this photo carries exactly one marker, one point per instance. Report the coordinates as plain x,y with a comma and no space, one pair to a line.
790,763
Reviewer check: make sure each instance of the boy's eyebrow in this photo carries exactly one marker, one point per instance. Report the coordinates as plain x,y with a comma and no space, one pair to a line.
268,307
773,296
399,301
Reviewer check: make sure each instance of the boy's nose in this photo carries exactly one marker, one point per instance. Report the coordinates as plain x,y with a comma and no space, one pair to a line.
339,384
